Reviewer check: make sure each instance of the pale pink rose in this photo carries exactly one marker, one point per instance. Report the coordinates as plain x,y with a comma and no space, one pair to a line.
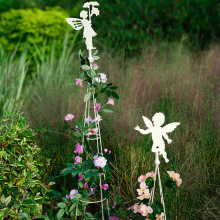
86,186
81,177
97,107
142,191
78,159
175,177
69,117
79,82
150,174
78,149
99,161
110,101
95,66
145,210
141,178
144,196
160,217
105,186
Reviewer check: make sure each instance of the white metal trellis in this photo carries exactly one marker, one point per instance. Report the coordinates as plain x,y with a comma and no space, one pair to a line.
88,33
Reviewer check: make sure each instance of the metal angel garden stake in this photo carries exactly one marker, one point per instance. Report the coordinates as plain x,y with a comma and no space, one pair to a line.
88,33
158,133
86,23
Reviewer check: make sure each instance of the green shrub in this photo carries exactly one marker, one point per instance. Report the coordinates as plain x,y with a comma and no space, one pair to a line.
22,191
33,26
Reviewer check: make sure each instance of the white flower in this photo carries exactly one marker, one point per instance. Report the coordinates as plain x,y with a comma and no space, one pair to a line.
98,118
102,78
99,161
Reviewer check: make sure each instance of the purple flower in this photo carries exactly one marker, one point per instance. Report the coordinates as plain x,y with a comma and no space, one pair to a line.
110,101
72,193
88,120
78,149
78,159
97,107
81,178
86,186
105,186
69,117
46,213
114,205
113,218
79,82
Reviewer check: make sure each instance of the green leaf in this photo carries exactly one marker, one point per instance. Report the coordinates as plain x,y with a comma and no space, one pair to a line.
115,95
89,215
96,57
28,201
79,124
85,67
113,87
7,200
66,171
149,182
171,184
92,125
108,93
61,205
22,122
109,84
22,180
80,53
84,75
93,73
77,196
77,134
74,172
71,165
95,52
107,110
72,207
89,174
60,213
80,184
87,96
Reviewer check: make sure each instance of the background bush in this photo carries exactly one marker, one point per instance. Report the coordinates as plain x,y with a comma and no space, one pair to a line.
129,25
21,181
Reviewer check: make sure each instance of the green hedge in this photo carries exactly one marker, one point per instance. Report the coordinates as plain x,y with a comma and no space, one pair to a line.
33,26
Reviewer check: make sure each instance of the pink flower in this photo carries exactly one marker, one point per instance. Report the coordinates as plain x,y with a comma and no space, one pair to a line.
145,210
72,193
141,178
106,150
97,119
92,131
114,205
92,192
109,152
79,82
69,117
105,186
101,174
78,149
110,101
88,120
144,196
86,186
99,161
95,66
78,159
113,218
81,178
97,107
137,208
160,217
175,177
46,214
150,174
143,189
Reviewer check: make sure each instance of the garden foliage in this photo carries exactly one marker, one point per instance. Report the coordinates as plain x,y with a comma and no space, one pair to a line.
22,189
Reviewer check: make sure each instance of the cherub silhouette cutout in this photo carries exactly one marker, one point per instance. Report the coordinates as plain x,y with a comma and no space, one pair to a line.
158,132
85,22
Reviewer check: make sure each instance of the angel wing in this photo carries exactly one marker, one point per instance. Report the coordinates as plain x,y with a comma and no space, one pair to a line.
170,127
76,23
147,122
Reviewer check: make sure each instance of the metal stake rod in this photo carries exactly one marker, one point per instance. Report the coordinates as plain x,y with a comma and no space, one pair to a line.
157,172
